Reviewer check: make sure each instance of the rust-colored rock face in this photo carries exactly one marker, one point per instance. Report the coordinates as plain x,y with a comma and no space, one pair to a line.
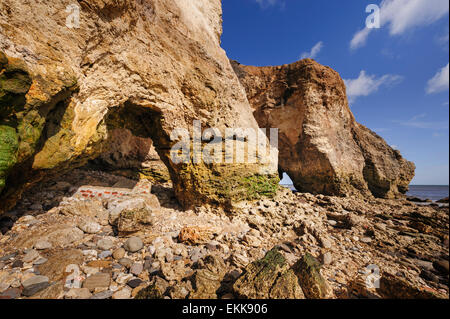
321,147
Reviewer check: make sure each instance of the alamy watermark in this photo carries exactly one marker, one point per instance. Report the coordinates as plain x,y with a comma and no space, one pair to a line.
373,21
73,17
373,277
234,145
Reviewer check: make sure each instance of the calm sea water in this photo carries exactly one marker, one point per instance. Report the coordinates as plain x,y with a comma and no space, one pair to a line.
433,192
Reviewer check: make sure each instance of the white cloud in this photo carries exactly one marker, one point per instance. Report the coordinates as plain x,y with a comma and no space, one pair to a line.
360,38
366,84
314,51
404,15
419,121
269,3
439,82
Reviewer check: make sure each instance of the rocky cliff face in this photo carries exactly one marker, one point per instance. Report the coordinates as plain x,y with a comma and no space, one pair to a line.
321,147
145,67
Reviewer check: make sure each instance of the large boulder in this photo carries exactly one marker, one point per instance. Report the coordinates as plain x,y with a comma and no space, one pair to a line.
147,66
269,278
321,146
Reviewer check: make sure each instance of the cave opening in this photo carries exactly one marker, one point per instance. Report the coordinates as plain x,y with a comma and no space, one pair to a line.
136,146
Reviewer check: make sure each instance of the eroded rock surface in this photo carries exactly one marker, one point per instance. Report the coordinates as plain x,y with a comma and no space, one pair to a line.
321,147
147,67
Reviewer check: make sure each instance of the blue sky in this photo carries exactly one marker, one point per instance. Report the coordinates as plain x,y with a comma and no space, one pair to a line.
396,76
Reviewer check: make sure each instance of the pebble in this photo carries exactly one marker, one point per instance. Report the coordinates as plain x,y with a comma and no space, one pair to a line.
332,222
133,244
136,269
40,261
122,278
133,283
30,256
105,244
8,257
119,253
105,254
327,258
90,227
34,284
124,293
326,243
366,240
17,264
42,244
126,262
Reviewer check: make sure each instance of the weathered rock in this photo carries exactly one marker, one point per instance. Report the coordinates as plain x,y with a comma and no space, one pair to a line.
119,253
207,280
63,237
126,262
71,94
30,256
105,244
133,283
195,235
99,280
78,293
133,244
441,266
394,287
124,293
34,285
135,217
321,146
176,271
125,151
42,244
269,278
136,269
313,284
11,293
89,227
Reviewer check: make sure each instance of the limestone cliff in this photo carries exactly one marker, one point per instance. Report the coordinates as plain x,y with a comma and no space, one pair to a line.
321,147
145,66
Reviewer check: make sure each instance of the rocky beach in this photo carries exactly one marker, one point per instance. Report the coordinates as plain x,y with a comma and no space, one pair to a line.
131,239
93,204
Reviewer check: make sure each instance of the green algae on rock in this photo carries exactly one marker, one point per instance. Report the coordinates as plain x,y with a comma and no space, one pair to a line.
9,144
269,277
313,284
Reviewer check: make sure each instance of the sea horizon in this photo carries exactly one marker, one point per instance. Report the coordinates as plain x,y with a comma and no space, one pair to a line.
424,192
